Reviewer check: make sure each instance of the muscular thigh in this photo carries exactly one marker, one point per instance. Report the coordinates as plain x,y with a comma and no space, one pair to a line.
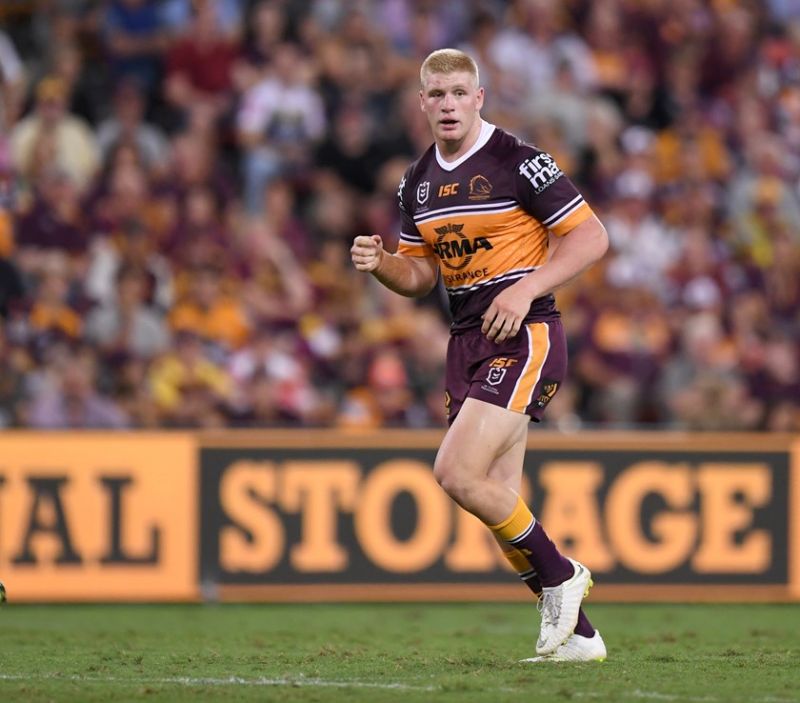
521,375
508,467
484,440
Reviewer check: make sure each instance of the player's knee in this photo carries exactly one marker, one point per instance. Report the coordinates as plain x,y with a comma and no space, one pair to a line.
450,478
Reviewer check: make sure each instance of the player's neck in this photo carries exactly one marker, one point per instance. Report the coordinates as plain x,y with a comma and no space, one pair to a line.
451,151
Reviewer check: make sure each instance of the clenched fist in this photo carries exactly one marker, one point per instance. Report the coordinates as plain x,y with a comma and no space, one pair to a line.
367,253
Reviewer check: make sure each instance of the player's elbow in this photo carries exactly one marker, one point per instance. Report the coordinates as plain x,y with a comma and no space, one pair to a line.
593,242
601,243
422,289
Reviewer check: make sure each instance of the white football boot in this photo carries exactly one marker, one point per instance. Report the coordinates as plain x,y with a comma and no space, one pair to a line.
575,649
559,606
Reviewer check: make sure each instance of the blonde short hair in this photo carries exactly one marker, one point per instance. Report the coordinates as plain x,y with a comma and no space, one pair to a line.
448,61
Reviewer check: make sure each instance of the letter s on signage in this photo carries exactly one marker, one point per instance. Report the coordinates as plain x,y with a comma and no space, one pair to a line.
245,489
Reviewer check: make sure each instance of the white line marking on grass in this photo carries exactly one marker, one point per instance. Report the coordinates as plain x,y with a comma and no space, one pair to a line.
210,681
654,695
302,681
658,696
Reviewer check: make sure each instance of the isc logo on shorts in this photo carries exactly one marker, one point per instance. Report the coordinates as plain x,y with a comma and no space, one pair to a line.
502,362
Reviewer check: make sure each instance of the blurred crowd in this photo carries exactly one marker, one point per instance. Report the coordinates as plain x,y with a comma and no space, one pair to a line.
180,182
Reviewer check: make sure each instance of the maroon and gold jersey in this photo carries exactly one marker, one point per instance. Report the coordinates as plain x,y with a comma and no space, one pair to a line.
486,218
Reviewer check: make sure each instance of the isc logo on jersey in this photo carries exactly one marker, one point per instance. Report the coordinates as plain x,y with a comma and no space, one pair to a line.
541,170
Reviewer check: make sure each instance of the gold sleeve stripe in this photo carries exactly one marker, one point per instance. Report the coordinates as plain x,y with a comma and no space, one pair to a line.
576,217
538,348
408,249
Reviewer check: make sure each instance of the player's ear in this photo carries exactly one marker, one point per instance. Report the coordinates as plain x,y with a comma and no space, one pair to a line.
479,98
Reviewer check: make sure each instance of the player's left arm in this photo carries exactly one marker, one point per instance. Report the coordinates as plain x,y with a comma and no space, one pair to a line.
576,251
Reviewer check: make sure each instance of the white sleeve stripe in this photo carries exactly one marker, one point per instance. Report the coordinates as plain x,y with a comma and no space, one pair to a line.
569,206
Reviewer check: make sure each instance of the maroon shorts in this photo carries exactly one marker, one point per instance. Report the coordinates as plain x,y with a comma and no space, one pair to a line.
521,374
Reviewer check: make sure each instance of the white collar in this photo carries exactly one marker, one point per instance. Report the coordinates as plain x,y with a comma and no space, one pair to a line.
487,130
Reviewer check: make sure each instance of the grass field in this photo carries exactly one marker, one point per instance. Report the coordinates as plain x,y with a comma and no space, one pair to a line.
385,652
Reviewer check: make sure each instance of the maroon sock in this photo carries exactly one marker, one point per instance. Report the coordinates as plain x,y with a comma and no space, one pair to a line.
584,627
531,580
550,565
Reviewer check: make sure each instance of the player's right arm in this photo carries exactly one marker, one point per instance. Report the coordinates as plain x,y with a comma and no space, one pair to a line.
412,276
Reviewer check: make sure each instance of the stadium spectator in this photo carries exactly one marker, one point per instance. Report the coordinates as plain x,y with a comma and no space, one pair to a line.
128,326
177,15
85,89
627,341
16,364
267,29
188,387
52,313
209,311
12,83
127,125
135,38
273,381
199,71
70,398
643,247
52,223
12,288
199,236
51,135
280,120
133,246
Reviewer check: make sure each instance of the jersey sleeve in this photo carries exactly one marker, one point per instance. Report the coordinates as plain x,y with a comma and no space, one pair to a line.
411,241
544,191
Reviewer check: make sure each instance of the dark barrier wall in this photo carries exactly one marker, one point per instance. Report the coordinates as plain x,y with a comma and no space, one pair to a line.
332,516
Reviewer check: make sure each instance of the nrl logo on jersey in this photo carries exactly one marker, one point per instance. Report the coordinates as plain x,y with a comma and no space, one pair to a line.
423,192
450,249
541,170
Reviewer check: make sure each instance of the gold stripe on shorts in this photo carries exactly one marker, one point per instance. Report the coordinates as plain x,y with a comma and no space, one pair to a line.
538,348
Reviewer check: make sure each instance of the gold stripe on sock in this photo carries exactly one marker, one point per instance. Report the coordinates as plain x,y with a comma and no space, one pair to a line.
515,524
518,560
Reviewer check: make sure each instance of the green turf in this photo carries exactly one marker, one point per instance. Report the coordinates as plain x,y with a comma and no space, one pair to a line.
357,653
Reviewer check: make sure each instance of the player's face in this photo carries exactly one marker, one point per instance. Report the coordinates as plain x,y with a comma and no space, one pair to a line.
452,103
